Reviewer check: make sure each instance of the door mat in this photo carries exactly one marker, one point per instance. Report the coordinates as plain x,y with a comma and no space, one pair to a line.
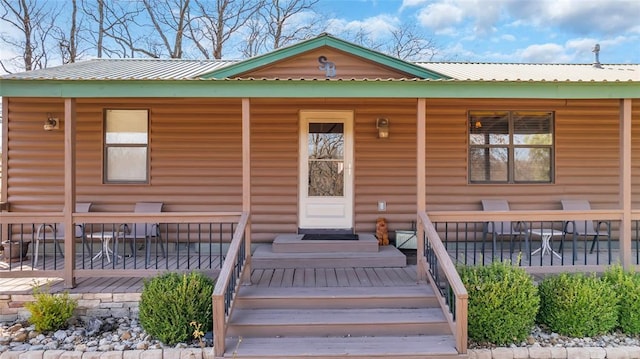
330,237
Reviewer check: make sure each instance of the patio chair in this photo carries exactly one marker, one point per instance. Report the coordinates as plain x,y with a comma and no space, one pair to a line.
503,228
144,231
583,228
56,232
131,232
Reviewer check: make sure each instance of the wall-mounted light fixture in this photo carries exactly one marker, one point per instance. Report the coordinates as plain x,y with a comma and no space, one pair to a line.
382,124
478,124
51,123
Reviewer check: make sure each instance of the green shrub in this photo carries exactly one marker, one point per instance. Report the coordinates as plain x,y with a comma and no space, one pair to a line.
578,305
503,303
627,288
50,312
170,302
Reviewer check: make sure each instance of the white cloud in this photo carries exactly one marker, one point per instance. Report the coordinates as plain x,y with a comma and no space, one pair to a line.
412,3
543,53
442,18
534,30
579,16
485,13
507,37
456,52
582,48
448,16
376,27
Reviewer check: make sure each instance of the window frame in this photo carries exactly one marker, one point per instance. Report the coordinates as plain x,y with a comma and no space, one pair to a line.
106,146
511,147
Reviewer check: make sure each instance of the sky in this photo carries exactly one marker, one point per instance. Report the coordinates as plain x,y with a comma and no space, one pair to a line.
521,31
517,31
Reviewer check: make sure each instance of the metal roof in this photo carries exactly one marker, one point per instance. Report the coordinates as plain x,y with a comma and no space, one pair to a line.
124,69
536,72
179,69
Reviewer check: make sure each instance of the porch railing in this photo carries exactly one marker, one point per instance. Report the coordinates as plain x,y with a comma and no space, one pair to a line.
435,263
467,240
234,269
111,244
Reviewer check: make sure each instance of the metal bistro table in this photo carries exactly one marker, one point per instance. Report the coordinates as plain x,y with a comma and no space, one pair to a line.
545,235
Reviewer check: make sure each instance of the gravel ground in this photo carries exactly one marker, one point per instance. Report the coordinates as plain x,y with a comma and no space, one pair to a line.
94,335
109,334
543,338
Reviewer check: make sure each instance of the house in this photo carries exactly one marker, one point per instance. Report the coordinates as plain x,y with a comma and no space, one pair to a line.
323,134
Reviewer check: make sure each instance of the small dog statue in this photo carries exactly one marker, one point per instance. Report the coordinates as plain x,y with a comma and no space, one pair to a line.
382,232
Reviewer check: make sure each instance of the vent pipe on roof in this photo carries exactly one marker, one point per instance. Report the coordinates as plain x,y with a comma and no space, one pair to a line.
596,50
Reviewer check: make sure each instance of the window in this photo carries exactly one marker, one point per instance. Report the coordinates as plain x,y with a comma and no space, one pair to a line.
510,146
126,142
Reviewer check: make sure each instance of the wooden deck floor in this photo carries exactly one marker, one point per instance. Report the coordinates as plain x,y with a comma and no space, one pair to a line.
289,277
170,262
298,277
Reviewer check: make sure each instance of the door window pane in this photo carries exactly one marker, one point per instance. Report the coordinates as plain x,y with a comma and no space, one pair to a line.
326,159
326,179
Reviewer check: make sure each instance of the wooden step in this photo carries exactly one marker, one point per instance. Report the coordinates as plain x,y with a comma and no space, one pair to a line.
255,297
293,243
405,347
337,322
387,256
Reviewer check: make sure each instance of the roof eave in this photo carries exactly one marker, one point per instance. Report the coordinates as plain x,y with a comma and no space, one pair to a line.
246,88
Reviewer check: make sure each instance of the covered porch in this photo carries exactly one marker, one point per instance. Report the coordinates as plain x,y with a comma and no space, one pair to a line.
453,239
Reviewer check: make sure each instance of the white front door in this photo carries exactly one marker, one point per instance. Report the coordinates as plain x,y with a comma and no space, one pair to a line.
326,170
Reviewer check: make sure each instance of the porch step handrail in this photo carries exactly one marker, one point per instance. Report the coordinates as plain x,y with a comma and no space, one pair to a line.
228,283
433,258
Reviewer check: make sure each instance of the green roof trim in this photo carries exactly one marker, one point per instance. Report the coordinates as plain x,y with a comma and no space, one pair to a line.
315,43
318,89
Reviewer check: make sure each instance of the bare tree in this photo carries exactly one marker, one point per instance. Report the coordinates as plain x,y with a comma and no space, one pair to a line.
362,37
95,10
281,14
254,40
279,23
169,18
124,28
217,21
120,29
33,21
408,43
68,42
405,42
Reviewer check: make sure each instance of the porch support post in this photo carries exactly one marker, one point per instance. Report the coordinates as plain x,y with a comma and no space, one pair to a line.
69,191
421,180
246,184
625,182
4,231
5,148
